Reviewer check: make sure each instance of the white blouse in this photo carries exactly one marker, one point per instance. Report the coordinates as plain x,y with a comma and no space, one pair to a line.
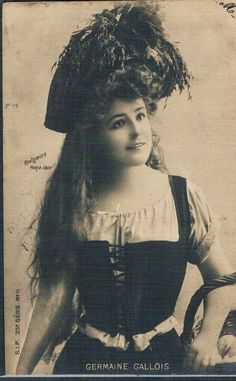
157,222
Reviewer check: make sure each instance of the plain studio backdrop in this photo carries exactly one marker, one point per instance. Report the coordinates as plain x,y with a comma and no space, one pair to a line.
197,135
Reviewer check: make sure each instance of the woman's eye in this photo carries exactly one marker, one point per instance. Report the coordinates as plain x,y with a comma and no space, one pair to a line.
141,115
118,123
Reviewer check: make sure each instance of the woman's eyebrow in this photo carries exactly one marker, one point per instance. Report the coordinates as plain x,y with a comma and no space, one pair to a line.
140,108
115,116
120,115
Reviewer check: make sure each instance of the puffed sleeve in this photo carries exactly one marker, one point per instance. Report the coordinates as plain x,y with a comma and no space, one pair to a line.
204,226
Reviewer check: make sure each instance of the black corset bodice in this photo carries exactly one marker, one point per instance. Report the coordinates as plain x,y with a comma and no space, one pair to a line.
133,287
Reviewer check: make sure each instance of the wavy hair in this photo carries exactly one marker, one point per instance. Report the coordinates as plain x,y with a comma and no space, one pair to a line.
70,192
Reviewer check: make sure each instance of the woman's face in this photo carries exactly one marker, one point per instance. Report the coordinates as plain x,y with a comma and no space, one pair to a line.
126,135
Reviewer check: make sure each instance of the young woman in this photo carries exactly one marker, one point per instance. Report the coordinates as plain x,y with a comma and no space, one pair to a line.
115,230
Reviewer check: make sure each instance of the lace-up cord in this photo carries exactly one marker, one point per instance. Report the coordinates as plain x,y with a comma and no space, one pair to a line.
118,267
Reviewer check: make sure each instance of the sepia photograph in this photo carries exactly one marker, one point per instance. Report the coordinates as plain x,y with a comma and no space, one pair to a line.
119,148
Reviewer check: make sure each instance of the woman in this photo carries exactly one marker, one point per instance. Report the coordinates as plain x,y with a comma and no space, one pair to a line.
125,262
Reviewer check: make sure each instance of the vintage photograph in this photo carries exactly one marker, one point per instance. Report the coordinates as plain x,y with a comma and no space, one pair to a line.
119,187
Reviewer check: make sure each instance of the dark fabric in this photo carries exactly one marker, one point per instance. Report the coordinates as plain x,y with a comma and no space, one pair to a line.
153,278
154,273
179,191
229,327
165,355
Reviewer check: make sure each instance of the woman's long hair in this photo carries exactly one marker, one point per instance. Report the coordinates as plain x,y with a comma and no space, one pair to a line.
70,194
100,64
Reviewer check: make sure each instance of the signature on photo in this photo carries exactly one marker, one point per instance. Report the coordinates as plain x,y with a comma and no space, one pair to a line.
229,7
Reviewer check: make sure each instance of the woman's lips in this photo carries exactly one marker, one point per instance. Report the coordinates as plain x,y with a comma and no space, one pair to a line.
136,145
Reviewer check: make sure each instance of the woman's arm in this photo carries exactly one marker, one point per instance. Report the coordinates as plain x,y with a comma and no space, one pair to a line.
48,311
203,353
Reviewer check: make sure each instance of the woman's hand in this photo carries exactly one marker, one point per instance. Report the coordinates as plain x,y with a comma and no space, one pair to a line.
203,355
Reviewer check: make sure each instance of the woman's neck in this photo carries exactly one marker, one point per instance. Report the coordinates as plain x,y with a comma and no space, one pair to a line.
131,189
122,180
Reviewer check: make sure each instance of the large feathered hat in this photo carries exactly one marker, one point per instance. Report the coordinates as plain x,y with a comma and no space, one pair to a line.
130,34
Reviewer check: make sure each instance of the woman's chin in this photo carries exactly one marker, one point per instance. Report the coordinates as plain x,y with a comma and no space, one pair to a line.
136,162
136,158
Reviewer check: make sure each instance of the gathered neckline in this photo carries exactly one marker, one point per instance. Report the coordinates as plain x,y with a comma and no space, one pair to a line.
147,208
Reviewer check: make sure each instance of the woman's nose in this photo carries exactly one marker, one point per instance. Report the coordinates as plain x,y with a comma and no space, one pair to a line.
134,128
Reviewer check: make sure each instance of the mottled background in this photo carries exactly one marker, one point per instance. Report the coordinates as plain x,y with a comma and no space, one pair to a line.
198,136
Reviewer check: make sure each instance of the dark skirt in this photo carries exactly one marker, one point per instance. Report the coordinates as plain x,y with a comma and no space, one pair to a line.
83,355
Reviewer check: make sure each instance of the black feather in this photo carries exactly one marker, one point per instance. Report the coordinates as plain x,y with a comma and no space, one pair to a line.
131,34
